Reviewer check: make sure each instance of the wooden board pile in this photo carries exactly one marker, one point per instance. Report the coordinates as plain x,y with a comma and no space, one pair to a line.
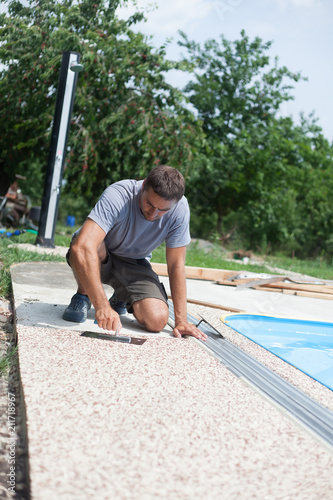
283,284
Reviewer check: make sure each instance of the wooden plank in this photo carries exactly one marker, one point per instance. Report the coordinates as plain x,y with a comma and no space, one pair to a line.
160,269
266,289
313,295
280,286
199,273
232,283
215,306
327,289
224,277
308,282
299,293
255,283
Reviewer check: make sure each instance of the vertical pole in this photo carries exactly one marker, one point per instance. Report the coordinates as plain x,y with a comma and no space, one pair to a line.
57,154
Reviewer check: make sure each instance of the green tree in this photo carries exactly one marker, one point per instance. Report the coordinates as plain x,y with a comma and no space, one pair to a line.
237,94
126,117
294,210
314,186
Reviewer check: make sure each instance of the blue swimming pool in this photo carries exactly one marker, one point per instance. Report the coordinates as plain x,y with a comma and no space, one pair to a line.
307,345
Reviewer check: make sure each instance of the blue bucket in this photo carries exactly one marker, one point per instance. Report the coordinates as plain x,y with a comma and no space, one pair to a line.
70,221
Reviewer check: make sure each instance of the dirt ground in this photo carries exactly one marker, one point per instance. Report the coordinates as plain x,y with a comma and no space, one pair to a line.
13,450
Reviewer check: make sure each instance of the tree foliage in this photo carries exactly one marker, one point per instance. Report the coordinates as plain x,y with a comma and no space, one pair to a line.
245,165
274,175
236,94
126,117
293,210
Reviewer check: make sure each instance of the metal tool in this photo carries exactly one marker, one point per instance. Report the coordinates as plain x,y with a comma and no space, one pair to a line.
114,338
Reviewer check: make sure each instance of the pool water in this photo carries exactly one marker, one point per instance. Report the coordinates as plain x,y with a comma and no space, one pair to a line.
307,345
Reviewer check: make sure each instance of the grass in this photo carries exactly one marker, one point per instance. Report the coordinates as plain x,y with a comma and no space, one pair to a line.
214,259
11,254
218,259
318,268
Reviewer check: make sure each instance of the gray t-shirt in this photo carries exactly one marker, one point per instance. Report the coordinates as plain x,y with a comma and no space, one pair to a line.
128,233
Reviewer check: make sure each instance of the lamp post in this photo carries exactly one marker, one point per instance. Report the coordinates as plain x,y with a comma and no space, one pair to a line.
70,67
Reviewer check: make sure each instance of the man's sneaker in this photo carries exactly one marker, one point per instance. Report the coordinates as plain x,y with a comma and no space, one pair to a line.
78,308
118,305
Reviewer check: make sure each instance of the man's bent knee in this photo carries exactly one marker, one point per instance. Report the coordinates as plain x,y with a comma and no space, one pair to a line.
155,324
152,313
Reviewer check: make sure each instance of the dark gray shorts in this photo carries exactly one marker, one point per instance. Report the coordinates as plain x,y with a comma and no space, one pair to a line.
132,279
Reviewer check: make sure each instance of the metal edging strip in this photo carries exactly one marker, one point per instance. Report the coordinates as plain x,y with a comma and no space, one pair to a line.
313,415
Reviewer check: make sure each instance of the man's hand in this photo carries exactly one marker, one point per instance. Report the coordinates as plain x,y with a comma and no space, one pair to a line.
184,328
108,319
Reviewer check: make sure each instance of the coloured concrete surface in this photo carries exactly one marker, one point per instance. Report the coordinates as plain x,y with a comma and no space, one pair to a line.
164,420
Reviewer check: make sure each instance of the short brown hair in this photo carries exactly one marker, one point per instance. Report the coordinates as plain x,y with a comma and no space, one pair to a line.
167,182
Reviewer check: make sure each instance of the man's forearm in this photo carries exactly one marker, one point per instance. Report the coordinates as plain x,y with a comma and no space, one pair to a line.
86,267
177,277
178,293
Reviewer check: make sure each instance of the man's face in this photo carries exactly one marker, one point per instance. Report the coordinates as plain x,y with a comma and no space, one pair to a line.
152,206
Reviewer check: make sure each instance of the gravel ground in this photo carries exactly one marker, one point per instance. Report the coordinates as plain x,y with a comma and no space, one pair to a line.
11,384
309,386
164,420
258,471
